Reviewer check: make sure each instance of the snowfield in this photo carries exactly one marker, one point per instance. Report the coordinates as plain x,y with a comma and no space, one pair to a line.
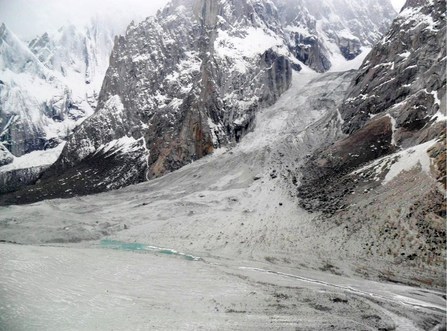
220,244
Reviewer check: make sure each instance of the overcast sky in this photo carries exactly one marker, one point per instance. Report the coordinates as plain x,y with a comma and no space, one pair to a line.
29,18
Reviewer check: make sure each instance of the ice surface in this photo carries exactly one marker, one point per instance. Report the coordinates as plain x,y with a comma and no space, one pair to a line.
59,288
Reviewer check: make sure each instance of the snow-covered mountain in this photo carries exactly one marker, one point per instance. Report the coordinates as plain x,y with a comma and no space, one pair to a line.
79,55
54,79
191,79
324,34
34,100
48,87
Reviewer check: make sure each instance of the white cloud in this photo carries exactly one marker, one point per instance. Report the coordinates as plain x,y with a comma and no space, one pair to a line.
29,18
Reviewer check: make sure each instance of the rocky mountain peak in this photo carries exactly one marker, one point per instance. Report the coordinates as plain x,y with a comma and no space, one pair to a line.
47,88
403,75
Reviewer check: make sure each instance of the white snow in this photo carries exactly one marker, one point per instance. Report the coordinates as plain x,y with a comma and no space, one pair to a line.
340,64
122,145
114,104
414,14
410,158
347,34
405,54
255,42
439,116
396,163
437,101
298,29
393,128
34,159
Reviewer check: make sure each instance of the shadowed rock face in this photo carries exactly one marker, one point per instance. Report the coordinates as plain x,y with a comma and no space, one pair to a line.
5,156
182,116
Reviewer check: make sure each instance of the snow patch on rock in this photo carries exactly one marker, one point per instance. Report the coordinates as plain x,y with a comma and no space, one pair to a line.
34,159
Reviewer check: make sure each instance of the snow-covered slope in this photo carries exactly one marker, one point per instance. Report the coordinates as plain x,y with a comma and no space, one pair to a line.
79,54
34,100
324,34
396,102
384,182
52,84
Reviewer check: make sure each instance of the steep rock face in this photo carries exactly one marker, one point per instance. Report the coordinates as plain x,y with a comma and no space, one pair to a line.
18,178
5,156
404,74
324,33
187,82
191,79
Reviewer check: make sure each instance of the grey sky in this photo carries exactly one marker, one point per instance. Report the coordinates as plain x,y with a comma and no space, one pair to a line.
29,18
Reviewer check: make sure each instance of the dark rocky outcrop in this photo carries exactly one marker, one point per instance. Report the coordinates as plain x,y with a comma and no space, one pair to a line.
17,179
325,182
393,115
